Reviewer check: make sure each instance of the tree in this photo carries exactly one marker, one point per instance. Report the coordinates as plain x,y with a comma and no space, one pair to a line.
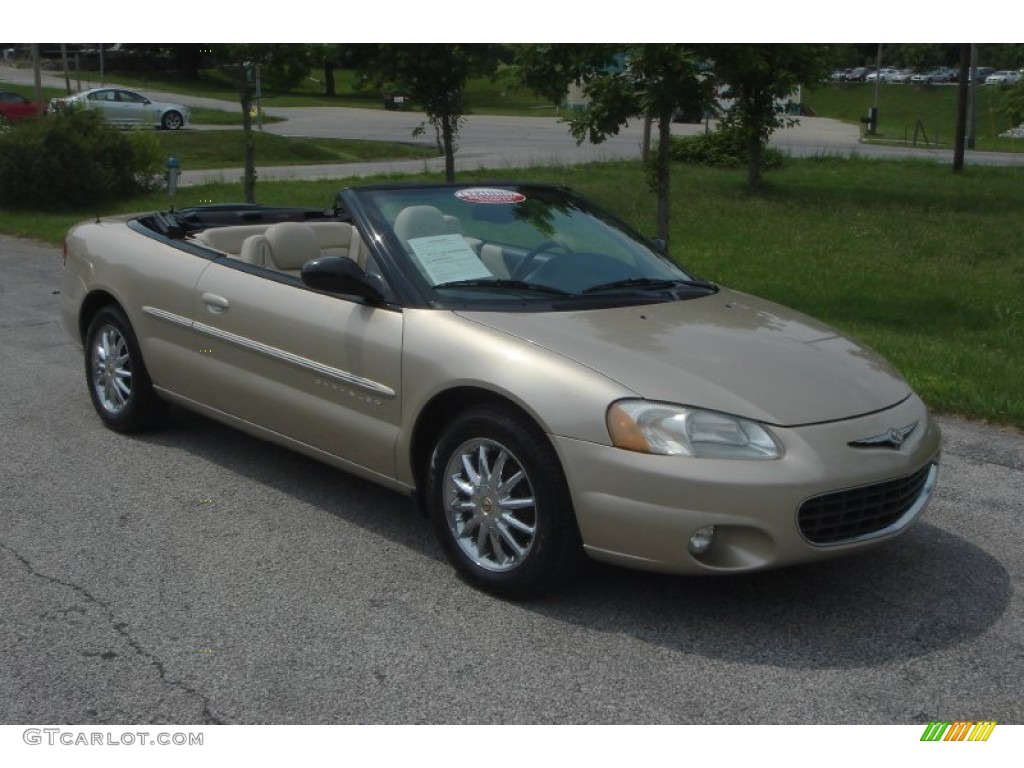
760,80
621,83
243,63
434,76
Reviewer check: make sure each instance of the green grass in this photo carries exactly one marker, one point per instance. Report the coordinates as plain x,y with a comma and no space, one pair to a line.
226,149
923,265
901,106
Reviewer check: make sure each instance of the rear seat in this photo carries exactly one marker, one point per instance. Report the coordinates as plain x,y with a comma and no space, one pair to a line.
248,242
229,239
287,245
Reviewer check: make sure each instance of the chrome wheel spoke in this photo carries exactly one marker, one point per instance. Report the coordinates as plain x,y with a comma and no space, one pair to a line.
472,476
525,503
464,487
117,395
481,540
507,485
519,525
509,540
498,468
496,549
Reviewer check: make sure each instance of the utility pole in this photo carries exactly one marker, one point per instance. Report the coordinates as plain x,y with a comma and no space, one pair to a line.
972,104
873,125
961,108
38,77
64,62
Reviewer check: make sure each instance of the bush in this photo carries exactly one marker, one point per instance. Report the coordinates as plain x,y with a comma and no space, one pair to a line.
73,159
1013,103
721,148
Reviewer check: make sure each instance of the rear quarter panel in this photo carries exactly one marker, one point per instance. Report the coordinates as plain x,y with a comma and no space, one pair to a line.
106,258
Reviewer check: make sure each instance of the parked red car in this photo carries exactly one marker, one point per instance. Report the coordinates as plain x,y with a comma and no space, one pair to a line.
14,107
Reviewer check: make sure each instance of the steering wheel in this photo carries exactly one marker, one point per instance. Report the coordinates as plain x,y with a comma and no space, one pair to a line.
522,269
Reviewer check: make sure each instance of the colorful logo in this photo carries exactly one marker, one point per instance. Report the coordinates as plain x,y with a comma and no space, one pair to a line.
958,730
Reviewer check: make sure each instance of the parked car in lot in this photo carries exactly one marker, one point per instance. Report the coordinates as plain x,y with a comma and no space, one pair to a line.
982,74
938,75
15,107
120,106
884,75
902,76
1003,77
542,379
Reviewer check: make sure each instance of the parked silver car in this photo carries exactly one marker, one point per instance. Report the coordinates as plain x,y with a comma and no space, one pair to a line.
1003,77
120,106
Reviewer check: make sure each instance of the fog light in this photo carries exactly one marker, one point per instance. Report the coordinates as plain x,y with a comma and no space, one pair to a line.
702,539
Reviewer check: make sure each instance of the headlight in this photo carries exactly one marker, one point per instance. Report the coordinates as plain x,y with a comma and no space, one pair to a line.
674,430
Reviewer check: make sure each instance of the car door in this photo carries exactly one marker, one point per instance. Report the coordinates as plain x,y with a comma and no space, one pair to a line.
134,108
107,103
317,368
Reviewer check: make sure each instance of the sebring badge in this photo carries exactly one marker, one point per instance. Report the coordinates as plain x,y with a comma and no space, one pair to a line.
891,438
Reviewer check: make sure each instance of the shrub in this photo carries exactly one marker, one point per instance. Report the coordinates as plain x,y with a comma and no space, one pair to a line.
73,159
721,148
1013,103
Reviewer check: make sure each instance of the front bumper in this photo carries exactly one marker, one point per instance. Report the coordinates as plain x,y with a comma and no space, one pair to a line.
640,511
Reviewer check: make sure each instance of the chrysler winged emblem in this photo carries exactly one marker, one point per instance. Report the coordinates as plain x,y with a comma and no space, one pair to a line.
891,438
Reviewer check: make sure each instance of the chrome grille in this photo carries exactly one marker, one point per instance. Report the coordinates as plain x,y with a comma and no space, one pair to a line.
854,513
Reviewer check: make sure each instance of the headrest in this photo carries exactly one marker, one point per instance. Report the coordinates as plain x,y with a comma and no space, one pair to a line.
292,244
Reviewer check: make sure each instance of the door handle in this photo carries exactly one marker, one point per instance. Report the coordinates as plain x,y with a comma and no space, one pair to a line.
215,303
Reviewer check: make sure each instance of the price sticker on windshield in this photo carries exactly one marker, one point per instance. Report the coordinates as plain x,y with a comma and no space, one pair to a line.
447,258
490,195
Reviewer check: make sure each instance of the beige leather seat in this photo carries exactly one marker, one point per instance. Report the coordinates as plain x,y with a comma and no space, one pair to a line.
420,221
427,221
339,238
285,247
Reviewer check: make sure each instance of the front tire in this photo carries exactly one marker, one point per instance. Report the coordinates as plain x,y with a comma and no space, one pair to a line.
119,384
500,504
172,121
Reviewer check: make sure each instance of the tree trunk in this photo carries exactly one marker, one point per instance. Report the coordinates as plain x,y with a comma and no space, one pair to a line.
645,147
448,140
664,174
754,149
329,88
245,96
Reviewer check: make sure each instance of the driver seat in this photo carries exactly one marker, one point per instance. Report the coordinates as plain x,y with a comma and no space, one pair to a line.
417,221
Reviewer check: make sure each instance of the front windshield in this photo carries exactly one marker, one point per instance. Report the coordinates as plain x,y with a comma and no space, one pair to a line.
504,243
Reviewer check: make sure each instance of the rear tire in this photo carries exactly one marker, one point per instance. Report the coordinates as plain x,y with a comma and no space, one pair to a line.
118,382
500,504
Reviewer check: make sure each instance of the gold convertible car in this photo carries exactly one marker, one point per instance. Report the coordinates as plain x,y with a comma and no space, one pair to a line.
542,379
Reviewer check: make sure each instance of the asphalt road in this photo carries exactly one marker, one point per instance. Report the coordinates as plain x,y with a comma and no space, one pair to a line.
197,575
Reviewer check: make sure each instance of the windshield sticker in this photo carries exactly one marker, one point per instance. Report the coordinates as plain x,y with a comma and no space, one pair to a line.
488,195
447,258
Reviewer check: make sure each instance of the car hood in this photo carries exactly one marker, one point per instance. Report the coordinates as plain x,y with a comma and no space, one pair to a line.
728,352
